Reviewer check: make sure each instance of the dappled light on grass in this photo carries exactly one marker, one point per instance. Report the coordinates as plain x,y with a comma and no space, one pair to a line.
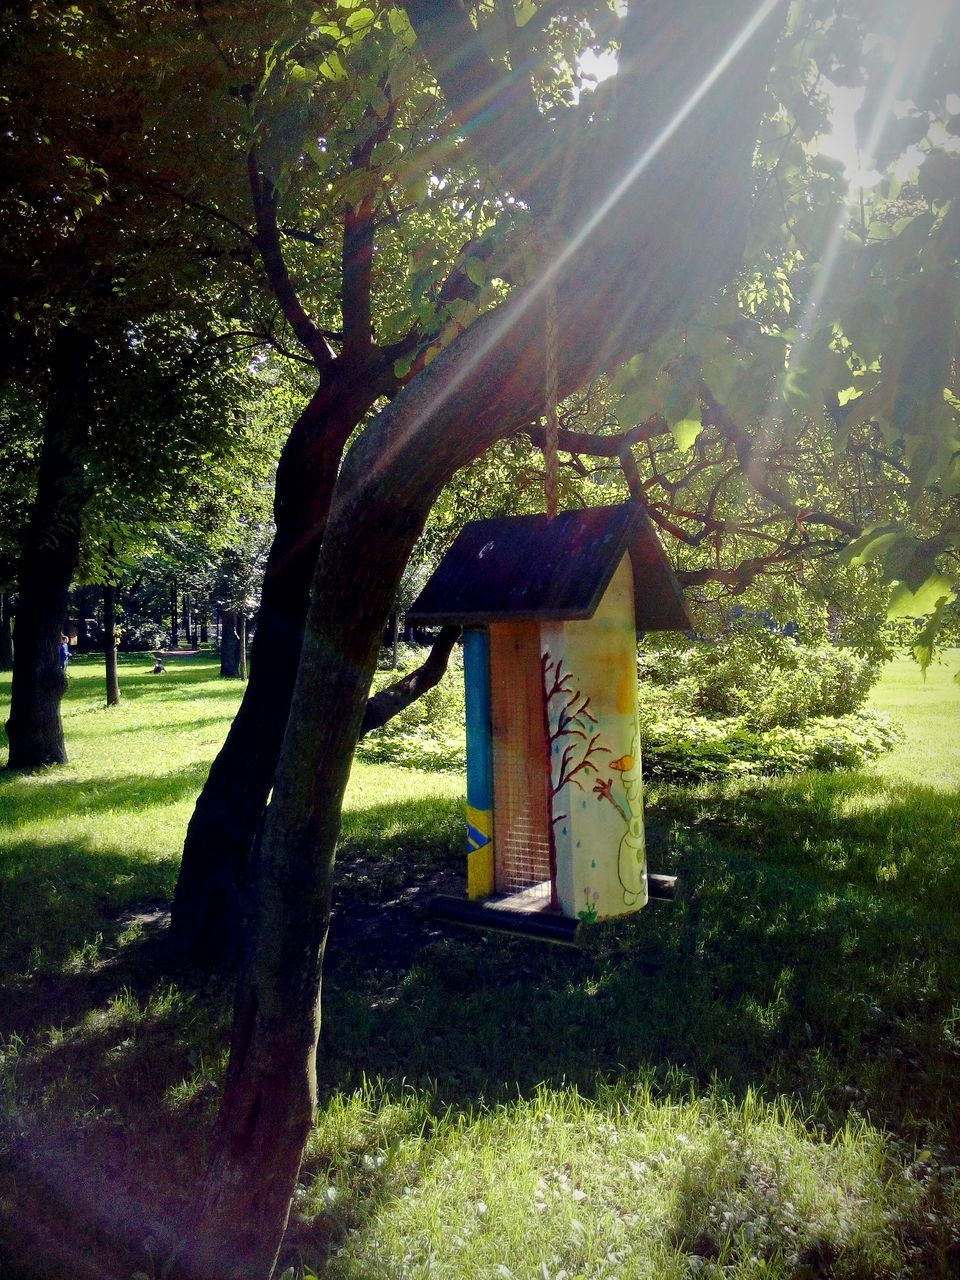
643,1179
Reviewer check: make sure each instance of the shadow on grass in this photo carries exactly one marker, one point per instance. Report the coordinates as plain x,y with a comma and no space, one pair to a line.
895,839
770,971
64,906
795,962
113,1084
76,796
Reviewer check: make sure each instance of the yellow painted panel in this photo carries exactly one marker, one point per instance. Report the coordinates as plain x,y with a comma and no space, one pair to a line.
480,872
596,785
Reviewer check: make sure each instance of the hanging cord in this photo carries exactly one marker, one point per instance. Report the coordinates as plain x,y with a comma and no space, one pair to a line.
554,241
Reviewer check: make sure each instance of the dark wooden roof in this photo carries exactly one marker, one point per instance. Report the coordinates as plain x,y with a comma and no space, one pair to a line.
527,568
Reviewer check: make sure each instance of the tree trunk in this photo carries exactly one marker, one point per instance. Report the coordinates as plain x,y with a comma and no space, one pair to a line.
110,644
242,645
174,633
673,237
394,637
229,645
205,627
51,550
188,620
6,632
207,904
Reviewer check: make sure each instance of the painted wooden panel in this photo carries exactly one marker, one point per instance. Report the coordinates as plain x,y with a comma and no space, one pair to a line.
520,807
476,681
590,679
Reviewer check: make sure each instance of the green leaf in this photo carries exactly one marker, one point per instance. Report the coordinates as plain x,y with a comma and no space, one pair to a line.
685,432
360,18
476,272
332,68
875,542
939,178
905,603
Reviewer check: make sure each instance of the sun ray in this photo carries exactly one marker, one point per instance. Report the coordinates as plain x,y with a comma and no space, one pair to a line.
534,294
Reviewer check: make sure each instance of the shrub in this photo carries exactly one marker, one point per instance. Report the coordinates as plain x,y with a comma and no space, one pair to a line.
138,633
755,701
765,676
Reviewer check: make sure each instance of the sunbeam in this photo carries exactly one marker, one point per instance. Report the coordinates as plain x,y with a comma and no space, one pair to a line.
911,61
500,330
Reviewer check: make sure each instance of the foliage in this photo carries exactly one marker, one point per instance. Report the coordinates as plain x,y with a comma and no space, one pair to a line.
755,701
756,672
680,746
429,734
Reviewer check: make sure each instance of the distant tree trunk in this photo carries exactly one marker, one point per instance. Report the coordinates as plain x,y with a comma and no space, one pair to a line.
6,632
394,637
110,644
229,645
205,627
174,634
242,645
188,620
51,550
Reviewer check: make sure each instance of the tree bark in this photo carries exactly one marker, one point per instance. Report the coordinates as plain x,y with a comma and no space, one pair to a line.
187,628
6,632
51,550
229,645
671,238
110,644
242,645
207,905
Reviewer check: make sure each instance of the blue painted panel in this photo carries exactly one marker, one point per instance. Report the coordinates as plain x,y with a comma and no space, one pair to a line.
476,679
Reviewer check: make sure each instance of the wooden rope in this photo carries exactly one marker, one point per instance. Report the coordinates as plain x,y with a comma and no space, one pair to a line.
551,390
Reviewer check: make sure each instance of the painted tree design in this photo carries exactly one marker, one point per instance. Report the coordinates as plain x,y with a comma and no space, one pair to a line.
568,716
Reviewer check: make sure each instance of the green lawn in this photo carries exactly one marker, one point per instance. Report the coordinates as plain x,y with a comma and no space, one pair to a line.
929,711
759,1080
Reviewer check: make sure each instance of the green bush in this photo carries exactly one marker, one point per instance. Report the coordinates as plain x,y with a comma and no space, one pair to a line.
755,701
766,677
678,746
430,733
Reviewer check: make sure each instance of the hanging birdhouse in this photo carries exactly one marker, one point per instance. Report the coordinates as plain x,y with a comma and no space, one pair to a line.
551,610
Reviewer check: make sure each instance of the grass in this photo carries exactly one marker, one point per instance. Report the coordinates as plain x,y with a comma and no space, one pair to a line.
757,1081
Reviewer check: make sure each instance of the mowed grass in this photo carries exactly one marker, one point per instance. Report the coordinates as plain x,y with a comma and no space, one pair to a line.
759,1080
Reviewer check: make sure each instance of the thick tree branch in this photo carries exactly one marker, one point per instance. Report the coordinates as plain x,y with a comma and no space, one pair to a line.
358,244
267,240
595,446
389,702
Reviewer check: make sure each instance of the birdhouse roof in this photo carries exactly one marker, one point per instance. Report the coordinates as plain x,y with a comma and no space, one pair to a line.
528,568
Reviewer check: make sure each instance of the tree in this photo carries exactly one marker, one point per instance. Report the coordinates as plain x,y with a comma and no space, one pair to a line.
93,274
300,234
486,384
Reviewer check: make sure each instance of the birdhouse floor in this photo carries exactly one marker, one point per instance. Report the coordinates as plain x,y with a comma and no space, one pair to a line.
534,898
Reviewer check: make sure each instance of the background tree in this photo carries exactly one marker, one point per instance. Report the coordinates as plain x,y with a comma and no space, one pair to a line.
88,262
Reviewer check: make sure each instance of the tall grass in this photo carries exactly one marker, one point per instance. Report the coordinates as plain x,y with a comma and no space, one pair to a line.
759,1080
